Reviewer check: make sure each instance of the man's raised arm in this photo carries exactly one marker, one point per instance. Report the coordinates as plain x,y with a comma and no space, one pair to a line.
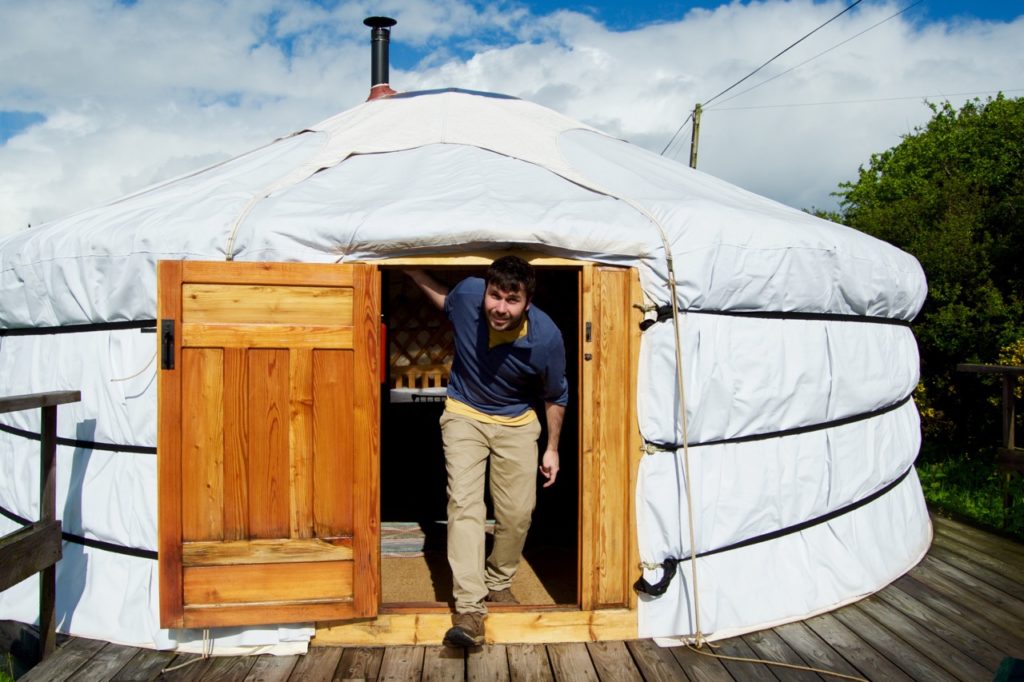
431,288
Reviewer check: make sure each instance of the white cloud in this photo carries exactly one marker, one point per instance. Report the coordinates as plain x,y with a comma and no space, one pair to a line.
136,94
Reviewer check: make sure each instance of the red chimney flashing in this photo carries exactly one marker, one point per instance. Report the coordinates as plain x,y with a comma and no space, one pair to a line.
380,91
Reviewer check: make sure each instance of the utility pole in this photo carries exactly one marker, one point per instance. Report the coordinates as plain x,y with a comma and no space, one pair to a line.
695,135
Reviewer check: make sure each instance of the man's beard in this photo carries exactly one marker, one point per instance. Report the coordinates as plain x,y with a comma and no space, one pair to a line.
507,323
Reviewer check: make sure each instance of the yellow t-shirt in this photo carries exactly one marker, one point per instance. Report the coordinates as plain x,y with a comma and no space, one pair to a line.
455,407
508,336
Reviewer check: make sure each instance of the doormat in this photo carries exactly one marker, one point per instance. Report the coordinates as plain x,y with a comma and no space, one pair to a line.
402,539
413,538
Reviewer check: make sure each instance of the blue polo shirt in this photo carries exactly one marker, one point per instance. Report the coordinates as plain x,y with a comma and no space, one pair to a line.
508,379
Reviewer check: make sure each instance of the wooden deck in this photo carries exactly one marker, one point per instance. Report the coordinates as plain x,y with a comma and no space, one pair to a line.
954,616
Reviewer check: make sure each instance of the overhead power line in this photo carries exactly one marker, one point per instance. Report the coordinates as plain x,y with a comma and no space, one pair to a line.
805,37
857,35
791,46
865,101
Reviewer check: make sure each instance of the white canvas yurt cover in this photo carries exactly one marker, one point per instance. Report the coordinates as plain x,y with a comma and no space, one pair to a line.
794,348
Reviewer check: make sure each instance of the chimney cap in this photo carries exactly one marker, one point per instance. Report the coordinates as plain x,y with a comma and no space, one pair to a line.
379,22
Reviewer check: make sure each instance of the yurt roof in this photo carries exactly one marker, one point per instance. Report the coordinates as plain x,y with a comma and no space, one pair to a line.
454,170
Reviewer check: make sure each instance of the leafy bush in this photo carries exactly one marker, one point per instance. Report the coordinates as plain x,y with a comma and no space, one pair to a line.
974,489
952,194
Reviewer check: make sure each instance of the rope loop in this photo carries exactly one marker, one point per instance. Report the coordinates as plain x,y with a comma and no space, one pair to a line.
659,588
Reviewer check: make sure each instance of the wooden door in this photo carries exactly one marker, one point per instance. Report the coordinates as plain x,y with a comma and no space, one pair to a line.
268,442
609,437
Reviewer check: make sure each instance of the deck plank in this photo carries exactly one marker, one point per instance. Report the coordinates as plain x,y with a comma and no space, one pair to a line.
994,604
489,664
192,667
968,583
972,567
656,664
914,663
769,646
925,641
964,615
872,664
981,540
67,658
106,663
1009,570
700,667
817,652
401,663
571,661
444,664
360,663
145,666
268,668
317,664
613,661
227,669
528,662
957,636
743,670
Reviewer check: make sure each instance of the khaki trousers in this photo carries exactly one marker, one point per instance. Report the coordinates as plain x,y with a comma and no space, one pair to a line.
512,452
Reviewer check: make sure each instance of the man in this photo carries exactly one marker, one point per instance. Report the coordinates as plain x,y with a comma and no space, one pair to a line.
509,355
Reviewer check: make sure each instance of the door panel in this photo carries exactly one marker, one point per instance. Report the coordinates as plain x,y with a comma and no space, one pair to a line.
268,443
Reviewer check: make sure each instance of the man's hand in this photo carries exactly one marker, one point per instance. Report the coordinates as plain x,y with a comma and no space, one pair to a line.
549,466
553,414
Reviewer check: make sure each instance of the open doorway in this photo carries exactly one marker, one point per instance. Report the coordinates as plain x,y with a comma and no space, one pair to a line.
414,565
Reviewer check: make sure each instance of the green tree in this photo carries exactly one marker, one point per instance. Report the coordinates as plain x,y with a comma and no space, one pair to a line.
952,194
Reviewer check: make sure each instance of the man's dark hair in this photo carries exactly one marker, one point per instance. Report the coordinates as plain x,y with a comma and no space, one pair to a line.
512,273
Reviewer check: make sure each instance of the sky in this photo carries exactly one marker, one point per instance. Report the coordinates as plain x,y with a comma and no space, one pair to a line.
100,98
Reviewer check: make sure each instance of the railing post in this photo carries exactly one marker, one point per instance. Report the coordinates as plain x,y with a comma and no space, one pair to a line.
1009,411
36,548
48,512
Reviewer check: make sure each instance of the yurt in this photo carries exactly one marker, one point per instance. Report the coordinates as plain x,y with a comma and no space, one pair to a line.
259,390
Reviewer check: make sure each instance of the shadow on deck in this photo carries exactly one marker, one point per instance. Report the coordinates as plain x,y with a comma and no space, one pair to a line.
956,615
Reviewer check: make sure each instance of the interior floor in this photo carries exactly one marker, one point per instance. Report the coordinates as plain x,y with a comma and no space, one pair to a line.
414,566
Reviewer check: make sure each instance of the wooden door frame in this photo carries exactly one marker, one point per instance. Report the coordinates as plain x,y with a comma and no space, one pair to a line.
607,554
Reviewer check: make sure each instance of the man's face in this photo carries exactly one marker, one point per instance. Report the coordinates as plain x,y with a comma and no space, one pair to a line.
504,309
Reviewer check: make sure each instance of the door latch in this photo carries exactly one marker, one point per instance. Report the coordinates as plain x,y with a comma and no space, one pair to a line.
167,344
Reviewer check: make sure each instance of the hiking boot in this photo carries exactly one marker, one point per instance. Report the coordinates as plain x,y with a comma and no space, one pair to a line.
501,597
467,630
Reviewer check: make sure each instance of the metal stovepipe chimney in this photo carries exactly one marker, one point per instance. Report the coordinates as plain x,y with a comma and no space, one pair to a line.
380,38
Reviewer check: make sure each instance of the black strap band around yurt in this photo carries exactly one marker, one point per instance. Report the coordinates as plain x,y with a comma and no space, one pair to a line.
670,564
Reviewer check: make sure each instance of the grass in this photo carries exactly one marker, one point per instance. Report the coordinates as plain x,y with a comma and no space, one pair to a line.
973,489
7,671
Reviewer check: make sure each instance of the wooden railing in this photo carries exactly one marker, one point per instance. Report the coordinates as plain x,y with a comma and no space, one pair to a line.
37,547
1010,458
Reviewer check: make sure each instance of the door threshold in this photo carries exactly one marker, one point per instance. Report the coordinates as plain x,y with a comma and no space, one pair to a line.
529,626
441,607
